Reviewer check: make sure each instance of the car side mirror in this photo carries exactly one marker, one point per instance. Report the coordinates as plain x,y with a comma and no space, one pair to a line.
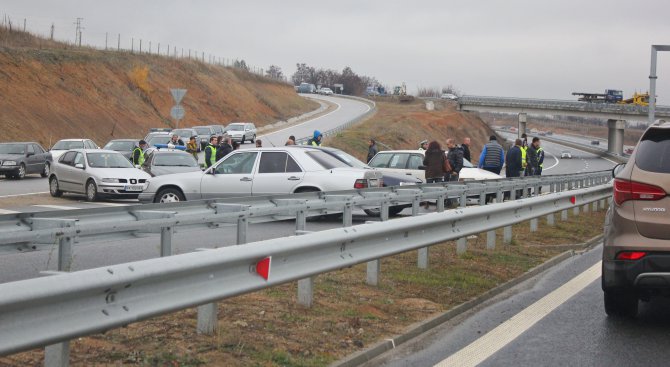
79,165
618,168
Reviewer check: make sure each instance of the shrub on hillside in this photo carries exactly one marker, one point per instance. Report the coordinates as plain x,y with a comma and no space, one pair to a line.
139,78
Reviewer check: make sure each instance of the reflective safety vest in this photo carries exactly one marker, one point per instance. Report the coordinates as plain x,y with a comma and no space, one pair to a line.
140,160
523,157
212,155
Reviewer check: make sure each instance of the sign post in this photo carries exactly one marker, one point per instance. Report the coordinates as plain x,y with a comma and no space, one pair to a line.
177,112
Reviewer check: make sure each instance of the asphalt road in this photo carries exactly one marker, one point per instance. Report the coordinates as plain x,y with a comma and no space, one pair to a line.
575,333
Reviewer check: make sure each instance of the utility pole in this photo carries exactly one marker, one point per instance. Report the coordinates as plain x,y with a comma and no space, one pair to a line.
52,32
77,35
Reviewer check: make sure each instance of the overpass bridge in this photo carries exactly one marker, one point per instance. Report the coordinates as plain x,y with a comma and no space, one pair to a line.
616,114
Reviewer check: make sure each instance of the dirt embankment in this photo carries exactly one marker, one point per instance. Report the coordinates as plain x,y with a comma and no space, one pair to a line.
52,91
403,126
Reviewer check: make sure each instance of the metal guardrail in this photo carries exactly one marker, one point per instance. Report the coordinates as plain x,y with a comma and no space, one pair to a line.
348,124
48,310
39,230
561,105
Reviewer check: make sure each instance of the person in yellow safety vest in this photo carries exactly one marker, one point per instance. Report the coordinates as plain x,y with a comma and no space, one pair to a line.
524,154
138,153
210,152
540,158
316,139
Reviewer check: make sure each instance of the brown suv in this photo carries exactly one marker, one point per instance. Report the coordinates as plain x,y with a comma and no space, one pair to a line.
636,252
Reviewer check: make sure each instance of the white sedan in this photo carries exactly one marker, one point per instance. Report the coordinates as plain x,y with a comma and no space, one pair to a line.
409,161
64,145
262,171
97,174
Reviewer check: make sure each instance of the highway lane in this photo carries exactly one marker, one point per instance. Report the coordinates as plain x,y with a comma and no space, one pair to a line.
346,110
576,332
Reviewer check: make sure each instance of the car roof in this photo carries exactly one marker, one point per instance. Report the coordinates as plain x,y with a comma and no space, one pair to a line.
82,139
403,151
660,125
93,151
133,140
19,142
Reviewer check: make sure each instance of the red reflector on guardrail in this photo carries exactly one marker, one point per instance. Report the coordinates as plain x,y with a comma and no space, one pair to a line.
573,199
263,267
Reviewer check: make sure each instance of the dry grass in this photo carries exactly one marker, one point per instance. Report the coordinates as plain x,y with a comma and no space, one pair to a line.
268,328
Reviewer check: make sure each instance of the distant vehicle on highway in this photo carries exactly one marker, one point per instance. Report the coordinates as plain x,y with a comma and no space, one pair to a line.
160,162
636,250
218,129
97,174
204,133
595,142
449,96
325,91
123,146
64,145
160,129
566,154
262,171
306,88
158,138
410,161
185,134
241,131
23,158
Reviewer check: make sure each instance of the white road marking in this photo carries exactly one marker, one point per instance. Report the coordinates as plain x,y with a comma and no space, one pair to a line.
59,207
5,211
555,164
27,194
308,121
114,204
484,347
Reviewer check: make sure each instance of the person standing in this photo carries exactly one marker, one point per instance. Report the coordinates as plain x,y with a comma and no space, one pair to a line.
315,141
372,149
138,153
423,145
223,148
290,141
175,140
210,152
436,164
455,158
492,157
259,143
514,168
192,147
466,149
534,151
524,154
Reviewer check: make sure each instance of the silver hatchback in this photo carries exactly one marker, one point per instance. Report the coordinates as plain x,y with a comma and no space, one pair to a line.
97,174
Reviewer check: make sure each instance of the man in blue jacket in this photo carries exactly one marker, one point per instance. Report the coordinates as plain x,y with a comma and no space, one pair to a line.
514,166
492,157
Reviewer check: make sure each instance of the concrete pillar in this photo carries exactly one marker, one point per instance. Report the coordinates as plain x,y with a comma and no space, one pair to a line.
523,119
615,136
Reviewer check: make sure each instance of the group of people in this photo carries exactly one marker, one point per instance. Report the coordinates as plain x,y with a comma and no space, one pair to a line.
522,159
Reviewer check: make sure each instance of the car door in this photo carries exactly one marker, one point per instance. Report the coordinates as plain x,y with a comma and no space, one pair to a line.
413,163
63,170
78,175
32,161
278,173
41,155
233,176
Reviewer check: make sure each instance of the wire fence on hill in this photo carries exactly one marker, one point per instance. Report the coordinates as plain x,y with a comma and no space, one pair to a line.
86,37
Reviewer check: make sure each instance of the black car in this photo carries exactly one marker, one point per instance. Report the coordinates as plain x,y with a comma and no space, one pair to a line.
389,179
123,146
20,159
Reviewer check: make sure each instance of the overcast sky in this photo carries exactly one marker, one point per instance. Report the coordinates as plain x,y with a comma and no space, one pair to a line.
523,48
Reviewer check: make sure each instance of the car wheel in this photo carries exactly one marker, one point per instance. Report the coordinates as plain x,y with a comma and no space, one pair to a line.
46,170
91,191
21,173
376,212
621,304
54,190
169,195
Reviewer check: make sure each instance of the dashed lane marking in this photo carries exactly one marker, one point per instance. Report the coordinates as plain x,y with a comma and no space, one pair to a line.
484,347
58,207
27,194
5,211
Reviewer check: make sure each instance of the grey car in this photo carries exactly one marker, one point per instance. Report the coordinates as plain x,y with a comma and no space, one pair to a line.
241,131
123,146
97,174
20,159
204,133
164,162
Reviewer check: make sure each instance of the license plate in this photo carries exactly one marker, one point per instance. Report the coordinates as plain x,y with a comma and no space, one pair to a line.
133,187
374,183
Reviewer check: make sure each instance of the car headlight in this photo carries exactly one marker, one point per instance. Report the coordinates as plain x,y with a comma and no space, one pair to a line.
110,180
9,163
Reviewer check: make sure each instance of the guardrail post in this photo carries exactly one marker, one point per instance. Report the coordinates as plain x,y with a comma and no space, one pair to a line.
242,229
491,240
166,241
550,220
347,215
462,243
58,355
374,266
564,215
575,210
207,318
595,206
423,253
586,208
533,225
507,235
306,285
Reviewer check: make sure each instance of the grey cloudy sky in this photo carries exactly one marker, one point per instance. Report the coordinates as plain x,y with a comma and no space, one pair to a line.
524,48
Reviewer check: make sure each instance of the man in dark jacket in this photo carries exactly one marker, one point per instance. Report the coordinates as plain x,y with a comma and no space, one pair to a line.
372,149
176,140
223,148
492,157
466,149
455,158
513,160
533,168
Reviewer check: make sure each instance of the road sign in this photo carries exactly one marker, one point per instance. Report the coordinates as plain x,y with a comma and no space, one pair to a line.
177,112
177,94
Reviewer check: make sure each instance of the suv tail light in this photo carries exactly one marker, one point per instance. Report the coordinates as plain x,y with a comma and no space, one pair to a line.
625,190
630,255
361,183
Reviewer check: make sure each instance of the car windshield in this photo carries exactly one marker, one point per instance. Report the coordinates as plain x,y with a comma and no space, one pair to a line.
235,127
182,132
203,130
120,145
108,160
12,149
161,139
175,160
326,160
67,145
349,159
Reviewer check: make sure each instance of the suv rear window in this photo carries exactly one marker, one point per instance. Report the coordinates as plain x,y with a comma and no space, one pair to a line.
653,152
